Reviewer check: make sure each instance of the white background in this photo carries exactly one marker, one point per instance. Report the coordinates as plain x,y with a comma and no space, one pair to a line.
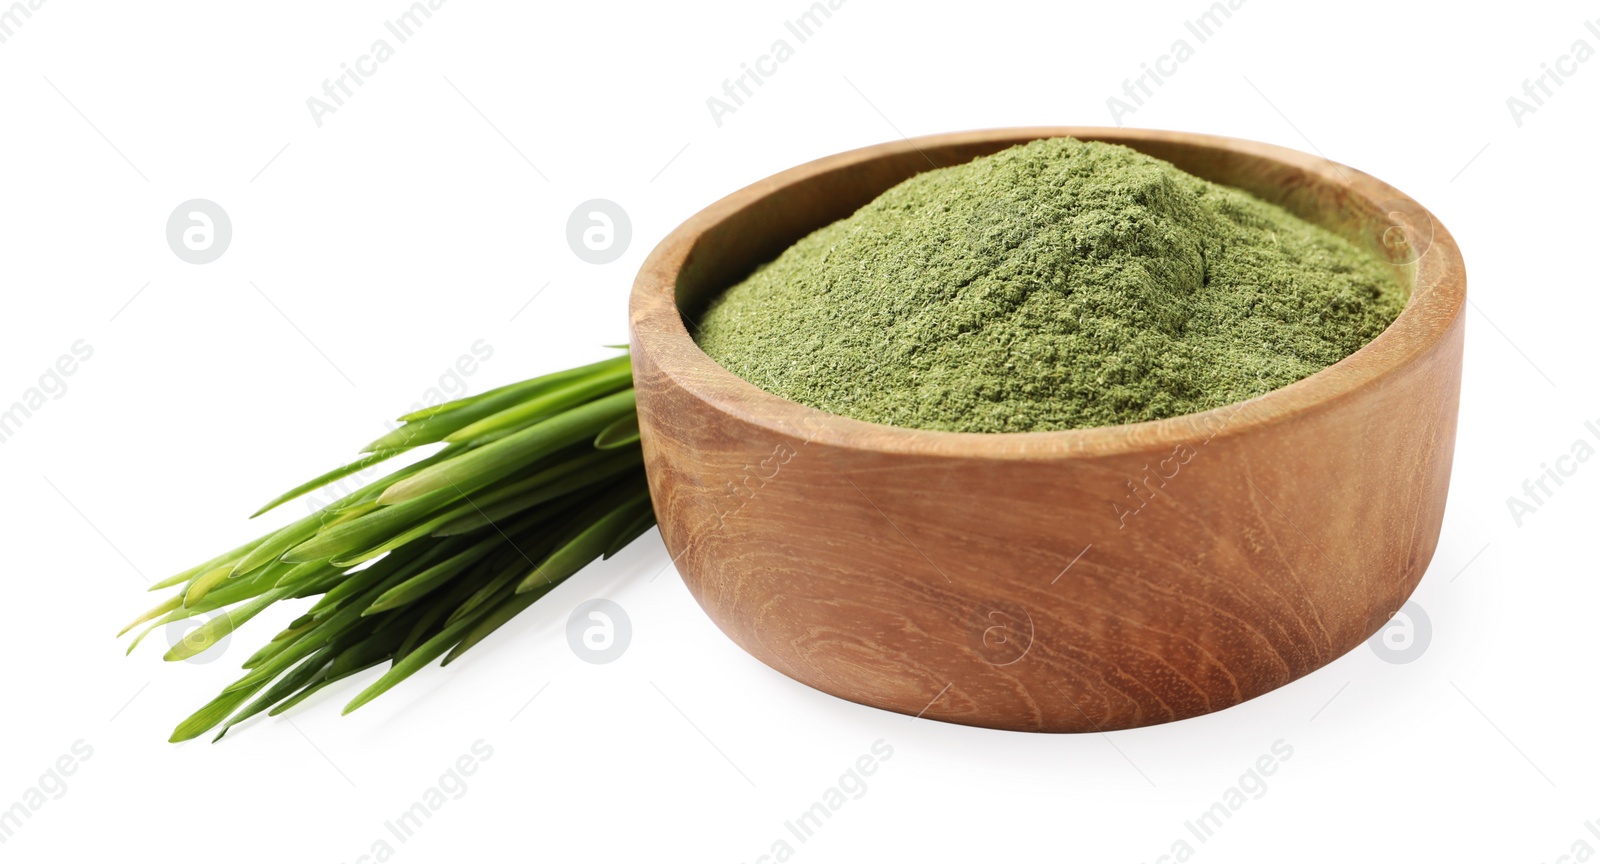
429,212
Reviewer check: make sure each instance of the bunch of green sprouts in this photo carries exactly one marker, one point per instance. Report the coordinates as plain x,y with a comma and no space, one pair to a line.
535,480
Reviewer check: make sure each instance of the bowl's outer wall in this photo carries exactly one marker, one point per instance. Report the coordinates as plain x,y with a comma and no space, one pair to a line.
1056,590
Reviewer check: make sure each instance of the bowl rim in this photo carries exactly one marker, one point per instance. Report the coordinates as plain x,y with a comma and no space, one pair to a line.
657,331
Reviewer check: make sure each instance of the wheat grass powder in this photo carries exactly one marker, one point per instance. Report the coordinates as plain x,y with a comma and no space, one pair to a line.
1053,285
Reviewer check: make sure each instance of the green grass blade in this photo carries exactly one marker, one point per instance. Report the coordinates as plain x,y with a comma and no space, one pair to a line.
337,623
364,532
217,709
347,514
421,622
140,638
425,582
589,538
442,426
545,405
504,572
299,574
478,467
369,534
286,538
423,626
168,605
622,432
212,713
408,665
252,555
536,490
511,394
501,609
644,521
279,644
359,581
603,522
228,557
202,585
322,480
283,688
535,480
237,591
430,430
312,688
212,631
368,494
366,653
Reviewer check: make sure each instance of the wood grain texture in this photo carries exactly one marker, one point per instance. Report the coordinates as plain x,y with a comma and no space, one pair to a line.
1072,581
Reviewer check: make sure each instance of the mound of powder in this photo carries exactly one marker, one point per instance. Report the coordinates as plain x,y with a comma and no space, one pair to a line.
1054,285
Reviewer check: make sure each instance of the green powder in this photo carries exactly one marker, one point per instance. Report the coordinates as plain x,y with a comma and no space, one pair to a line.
1055,285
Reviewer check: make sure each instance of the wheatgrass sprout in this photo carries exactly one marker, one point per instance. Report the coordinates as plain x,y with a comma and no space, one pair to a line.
534,481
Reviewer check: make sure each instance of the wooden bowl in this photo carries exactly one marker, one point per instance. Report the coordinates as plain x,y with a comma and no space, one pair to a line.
1073,581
